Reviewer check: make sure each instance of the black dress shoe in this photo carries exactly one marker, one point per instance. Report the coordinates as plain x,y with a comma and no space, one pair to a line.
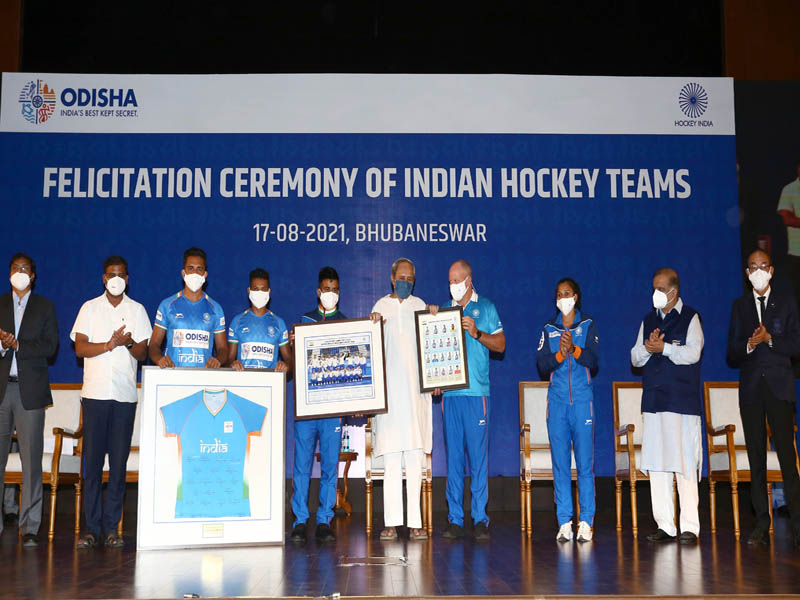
687,537
324,533
758,537
481,531
298,533
29,540
660,536
453,532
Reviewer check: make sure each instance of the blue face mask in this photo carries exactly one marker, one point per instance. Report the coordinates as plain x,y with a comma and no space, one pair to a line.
403,288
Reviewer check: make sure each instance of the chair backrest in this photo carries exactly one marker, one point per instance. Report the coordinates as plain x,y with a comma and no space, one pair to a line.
627,409
533,410
722,408
65,412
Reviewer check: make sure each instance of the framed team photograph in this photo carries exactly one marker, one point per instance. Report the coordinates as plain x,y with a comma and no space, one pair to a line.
441,350
212,458
340,369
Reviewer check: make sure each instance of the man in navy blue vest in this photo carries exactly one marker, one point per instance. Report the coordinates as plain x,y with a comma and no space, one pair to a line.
763,336
668,350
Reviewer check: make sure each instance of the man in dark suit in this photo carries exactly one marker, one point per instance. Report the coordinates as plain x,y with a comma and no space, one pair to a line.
28,337
764,334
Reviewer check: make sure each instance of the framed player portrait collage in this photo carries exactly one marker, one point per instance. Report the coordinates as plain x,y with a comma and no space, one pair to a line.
441,350
211,457
340,369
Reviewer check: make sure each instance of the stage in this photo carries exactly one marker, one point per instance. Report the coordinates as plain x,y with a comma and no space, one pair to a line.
507,565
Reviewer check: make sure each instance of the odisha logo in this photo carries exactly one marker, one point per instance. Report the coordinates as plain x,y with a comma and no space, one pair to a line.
693,100
37,102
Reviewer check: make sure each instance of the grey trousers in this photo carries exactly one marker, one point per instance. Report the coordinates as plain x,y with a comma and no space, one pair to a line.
30,435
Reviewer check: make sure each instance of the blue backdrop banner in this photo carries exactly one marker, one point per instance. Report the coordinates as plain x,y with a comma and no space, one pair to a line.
530,179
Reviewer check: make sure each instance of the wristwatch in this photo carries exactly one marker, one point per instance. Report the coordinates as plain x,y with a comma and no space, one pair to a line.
769,342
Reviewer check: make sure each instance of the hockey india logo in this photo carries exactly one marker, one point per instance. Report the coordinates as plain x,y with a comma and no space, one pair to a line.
37,102
693,100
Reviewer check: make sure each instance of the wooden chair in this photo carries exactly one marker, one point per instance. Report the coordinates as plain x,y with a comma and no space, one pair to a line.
728,462
627,401
374,470
61,461
534,447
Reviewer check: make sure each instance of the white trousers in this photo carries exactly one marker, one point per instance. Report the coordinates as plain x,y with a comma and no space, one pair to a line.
393,488
663,506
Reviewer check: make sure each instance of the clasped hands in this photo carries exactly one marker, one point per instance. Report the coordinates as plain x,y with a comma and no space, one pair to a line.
8,340
759,336
655,343
565,345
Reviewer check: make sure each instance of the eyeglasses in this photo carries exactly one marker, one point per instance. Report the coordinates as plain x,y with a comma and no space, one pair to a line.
756,266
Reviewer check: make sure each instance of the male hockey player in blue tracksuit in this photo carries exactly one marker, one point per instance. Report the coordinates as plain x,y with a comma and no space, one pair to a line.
328,430
568,355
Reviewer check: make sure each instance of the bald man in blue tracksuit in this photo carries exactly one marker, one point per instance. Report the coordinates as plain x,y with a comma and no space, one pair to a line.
570,418
465,412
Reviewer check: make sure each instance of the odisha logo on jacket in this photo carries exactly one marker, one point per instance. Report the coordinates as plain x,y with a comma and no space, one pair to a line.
37,102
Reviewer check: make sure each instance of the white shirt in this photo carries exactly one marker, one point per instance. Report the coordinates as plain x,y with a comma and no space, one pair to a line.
790,200
687,354
409,423
111,375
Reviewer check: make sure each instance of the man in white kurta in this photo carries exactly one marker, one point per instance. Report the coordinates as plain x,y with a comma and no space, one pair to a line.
404,434
668,349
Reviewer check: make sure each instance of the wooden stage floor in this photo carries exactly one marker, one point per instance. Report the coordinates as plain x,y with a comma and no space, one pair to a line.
509,564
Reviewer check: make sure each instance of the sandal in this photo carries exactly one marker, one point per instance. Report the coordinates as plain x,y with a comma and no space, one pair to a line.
388,534
87,540
114,541
418,534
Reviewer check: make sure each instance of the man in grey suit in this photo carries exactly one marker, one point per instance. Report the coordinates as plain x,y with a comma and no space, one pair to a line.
28,338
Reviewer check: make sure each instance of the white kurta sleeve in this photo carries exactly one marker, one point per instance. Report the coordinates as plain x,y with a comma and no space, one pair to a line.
639,354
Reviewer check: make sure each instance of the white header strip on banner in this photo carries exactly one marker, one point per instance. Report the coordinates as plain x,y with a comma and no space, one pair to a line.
335,103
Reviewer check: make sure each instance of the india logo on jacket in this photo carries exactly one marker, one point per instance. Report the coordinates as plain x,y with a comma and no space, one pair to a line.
37,102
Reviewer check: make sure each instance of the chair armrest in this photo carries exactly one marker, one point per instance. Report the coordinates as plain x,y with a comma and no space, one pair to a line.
625,430
68,433
721,430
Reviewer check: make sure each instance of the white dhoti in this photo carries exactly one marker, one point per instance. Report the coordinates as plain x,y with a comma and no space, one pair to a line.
405,433
672,444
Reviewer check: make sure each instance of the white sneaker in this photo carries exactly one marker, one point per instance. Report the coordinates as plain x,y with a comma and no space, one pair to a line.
565,533
584,532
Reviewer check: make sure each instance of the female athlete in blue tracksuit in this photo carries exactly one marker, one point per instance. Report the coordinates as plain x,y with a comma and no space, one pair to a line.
567,354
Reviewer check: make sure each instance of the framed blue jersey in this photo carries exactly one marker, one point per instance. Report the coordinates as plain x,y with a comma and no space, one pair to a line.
190,328
212,457
257,339
213,428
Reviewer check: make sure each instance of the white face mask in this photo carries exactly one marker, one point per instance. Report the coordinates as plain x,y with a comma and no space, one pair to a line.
20,280
194,281
329,300
760,279
258,298
116,285
457,290
660,299
565,305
